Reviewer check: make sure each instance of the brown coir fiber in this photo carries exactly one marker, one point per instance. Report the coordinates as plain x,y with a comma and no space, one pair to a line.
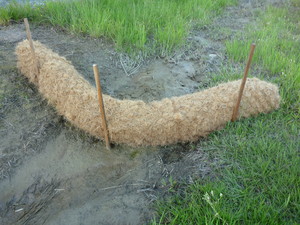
171,120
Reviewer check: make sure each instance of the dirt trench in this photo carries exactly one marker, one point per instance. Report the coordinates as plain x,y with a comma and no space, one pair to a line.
53,173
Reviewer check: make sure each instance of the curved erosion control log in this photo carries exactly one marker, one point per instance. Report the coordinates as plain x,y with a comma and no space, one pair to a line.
171,120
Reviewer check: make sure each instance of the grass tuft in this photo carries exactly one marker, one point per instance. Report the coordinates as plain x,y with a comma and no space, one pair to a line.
133,25
16,11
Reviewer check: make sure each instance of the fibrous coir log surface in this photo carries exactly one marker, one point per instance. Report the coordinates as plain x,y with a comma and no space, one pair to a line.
171,120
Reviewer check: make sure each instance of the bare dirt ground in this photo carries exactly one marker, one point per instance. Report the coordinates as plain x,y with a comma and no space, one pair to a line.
53,173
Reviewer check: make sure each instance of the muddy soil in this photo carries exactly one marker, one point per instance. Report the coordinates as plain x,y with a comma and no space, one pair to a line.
53,173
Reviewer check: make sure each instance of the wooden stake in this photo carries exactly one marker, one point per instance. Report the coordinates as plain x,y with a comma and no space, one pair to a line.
236,108
100,99
28,33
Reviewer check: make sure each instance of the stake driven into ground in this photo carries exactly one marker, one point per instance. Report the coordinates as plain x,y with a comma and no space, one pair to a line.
101,105
243,83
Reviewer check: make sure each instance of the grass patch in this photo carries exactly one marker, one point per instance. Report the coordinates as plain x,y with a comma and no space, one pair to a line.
133,25
277,51
261,182
17,11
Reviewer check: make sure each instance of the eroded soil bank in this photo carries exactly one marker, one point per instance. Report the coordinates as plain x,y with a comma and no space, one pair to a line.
53,173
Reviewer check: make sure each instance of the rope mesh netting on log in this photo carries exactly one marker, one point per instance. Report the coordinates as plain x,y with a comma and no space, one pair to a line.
171,120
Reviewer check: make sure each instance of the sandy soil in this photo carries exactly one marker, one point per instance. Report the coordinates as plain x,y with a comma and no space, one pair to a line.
53,173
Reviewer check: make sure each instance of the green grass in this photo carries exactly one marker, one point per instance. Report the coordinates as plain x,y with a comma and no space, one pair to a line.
17,11
133,25
277,51
261,182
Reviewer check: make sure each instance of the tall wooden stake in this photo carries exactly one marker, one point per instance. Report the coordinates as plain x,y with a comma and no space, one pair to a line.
236,108
28,33
102,111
